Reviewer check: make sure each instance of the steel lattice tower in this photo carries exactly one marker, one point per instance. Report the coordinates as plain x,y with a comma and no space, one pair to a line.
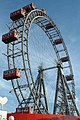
64,102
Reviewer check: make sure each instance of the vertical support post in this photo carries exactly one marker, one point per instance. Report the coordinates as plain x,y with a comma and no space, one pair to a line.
61,102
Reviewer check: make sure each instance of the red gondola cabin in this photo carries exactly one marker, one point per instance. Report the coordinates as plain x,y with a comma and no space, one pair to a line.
29,7
10,37
24,109
17,14
12,74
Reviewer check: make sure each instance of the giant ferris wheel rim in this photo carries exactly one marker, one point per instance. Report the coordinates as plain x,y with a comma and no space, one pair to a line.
36,15
53,23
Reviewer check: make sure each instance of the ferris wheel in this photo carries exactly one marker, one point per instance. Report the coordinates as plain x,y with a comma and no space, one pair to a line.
29,58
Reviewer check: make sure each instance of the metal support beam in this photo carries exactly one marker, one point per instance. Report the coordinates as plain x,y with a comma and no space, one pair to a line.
61,103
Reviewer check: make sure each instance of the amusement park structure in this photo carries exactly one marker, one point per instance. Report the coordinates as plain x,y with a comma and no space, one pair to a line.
30,91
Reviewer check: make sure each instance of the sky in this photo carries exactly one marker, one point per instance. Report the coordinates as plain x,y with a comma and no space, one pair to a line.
66,14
